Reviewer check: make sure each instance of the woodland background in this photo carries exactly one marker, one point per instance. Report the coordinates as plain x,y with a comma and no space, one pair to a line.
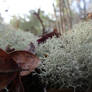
65,60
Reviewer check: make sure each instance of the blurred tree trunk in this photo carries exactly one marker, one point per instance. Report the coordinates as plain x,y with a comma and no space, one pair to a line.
64,15
85,13
57,24
69,14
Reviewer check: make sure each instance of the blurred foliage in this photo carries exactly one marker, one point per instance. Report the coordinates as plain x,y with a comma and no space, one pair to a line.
31,23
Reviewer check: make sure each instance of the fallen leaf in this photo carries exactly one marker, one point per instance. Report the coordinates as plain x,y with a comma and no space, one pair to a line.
8,69
26,60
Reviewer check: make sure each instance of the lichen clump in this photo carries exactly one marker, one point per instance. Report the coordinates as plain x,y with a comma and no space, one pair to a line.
17,39
68,60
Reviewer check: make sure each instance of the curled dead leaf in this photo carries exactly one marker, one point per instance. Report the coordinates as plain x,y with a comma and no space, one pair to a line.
26,60
7,69
14,64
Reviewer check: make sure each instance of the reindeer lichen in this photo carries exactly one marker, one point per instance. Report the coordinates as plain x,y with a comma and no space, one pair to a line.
69,58
17,39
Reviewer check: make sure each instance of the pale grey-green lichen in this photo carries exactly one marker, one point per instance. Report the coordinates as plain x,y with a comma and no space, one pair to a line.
69,58
17,39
